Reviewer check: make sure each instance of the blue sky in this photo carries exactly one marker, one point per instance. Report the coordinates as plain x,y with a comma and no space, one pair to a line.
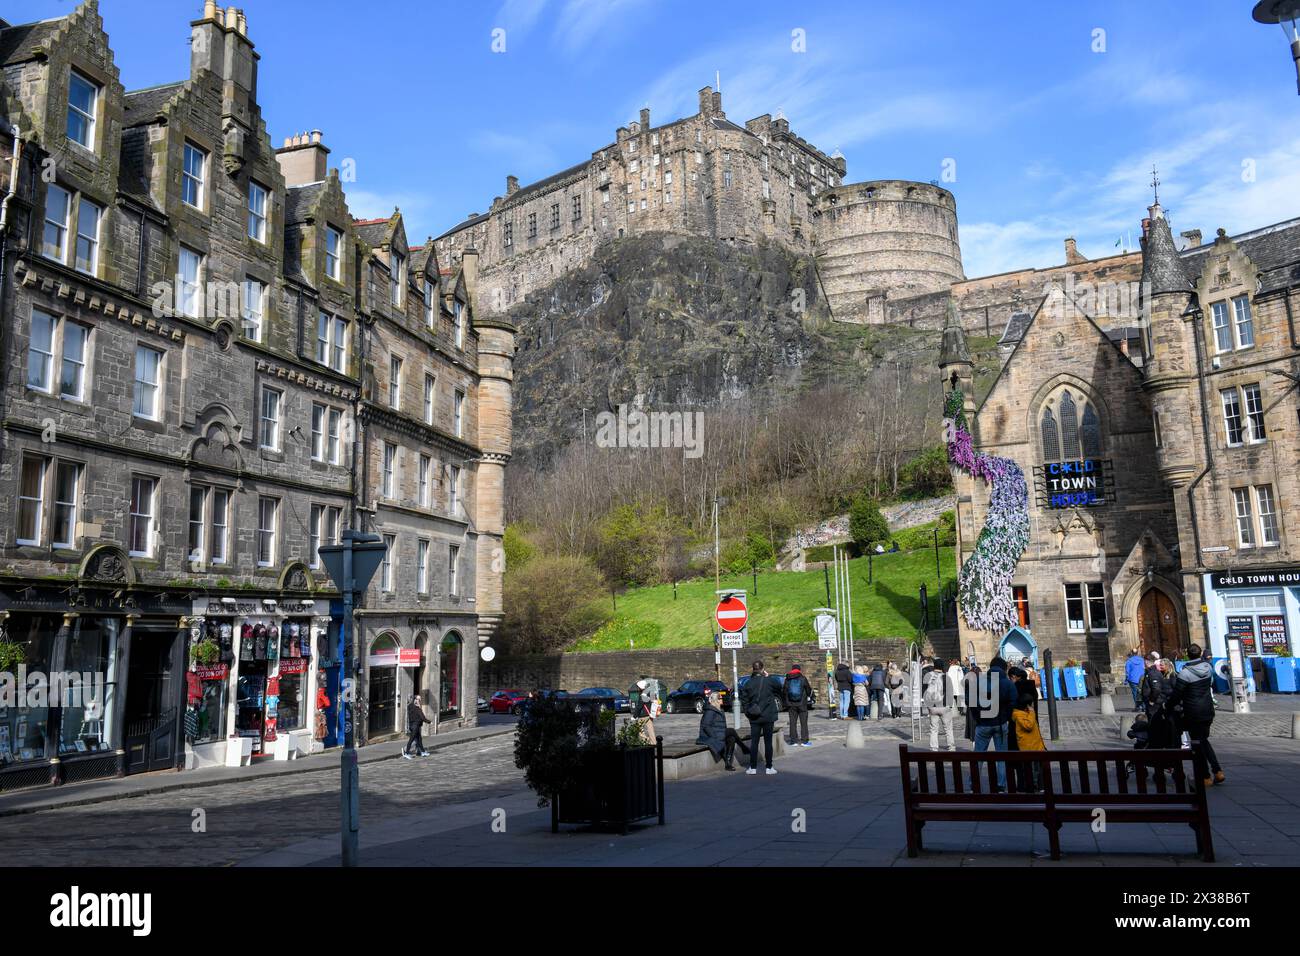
1049,137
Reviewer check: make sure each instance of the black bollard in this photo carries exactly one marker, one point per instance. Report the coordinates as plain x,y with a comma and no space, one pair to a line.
1050,684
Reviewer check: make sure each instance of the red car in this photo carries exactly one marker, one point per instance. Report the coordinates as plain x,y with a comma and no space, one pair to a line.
507,702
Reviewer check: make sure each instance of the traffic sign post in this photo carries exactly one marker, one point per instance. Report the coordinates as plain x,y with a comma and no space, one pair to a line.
350,565
732,615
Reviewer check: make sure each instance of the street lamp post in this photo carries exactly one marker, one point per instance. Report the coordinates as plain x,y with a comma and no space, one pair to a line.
1283,12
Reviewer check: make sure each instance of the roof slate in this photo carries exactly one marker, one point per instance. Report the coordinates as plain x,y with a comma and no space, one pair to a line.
141,106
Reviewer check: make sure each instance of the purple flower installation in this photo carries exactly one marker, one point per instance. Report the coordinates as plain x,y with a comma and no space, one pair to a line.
984,584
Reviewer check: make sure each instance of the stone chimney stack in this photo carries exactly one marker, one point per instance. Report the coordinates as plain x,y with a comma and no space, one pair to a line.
717,103
302,159
512,185
1072,256
469,269
706,101
219,43
645,119
1193,237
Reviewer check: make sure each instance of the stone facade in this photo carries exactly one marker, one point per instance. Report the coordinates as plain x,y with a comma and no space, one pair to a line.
1190,441
198,341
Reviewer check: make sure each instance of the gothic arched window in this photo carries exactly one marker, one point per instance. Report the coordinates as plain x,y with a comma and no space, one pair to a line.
1051,441
1091,432
1069,428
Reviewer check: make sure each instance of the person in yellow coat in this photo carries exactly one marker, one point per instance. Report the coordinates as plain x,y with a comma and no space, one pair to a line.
1024,724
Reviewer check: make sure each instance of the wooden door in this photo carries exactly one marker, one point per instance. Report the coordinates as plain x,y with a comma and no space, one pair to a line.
1158,628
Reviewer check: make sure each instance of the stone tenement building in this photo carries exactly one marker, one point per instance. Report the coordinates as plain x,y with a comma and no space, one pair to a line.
1164,501
210,370
705,175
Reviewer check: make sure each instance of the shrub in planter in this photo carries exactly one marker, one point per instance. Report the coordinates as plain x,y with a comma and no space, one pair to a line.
553,740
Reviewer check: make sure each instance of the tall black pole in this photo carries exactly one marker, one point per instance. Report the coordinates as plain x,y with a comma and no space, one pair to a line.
753,570
826,574
937,575
1051,694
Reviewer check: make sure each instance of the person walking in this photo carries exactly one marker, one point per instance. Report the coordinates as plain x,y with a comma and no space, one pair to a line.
415,721
940,703
844,688
1192,695
798,693
758,701
716,735
861,690
879,689
993,706
1134,668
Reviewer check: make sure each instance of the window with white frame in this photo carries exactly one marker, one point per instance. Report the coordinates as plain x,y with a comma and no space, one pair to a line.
458,322
197,536
1268,529
1245,517
88,218
331,341
75,340
453,490
256,211
51,336
458,414
425,474
269,433
220,525
254,309
148,382
1085,607
319,415
429,385
430,304
394,381
1243,322
453,560
142,516
83,110
67,495
323,528
194,175
333,253
189,275
422,566
58,216
31,500
1243,414
390,559
268,520
398,288
1255,509
388,480
332,442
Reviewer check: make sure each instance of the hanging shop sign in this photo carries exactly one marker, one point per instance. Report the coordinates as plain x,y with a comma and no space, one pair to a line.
395,657
1074,484
212,671
1256,578
1243,630
293,665
1272,634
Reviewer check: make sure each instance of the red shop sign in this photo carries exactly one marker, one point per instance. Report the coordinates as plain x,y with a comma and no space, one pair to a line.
212,671
293,665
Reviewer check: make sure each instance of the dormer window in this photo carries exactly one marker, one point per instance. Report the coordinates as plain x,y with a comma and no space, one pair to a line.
430,303
256,211
399,279
458,322
1234,327
333,250
83,107
193,176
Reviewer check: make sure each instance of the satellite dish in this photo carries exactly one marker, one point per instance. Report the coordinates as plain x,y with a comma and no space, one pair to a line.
487,653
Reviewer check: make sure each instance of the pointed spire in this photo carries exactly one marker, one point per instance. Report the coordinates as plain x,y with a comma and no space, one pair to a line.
1162,268
953,351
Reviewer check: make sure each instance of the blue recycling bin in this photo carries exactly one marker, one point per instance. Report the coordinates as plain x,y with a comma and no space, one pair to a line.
1281,674
1075,684
1056,683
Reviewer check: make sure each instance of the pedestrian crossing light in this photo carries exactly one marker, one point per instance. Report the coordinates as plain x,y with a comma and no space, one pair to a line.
1283,13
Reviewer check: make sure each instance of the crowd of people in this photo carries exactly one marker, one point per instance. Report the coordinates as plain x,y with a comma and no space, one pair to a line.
1172,703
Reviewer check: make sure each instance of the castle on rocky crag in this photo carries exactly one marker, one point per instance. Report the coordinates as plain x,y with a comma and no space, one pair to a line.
703,175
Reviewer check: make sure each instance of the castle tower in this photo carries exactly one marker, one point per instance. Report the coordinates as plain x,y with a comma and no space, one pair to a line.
496,350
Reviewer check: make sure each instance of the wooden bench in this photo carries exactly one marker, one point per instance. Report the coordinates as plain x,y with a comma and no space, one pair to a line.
1072,786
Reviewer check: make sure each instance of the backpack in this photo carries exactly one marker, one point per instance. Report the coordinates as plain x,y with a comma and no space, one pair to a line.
794,689
936,690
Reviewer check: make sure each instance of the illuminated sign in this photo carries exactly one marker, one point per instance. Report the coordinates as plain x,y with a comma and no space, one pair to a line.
1074,484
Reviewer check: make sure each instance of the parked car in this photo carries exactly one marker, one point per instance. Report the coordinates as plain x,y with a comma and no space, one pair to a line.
482,706
608,697
780,698
690,696
507,702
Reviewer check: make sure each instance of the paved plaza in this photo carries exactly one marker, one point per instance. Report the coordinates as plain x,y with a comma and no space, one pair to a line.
827,805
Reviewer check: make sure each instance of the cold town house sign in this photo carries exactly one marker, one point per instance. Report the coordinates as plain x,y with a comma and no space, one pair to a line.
1074,484
1256,578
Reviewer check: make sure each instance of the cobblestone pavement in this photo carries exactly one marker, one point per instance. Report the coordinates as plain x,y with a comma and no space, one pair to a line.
249,817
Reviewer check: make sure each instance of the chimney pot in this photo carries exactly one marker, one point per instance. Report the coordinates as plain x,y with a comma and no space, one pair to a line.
315,136
232,19
210,9
241,24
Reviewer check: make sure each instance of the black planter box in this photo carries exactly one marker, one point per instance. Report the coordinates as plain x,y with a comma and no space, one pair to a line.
616,787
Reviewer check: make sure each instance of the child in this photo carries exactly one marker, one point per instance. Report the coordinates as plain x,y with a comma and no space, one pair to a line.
1140,734
1024,724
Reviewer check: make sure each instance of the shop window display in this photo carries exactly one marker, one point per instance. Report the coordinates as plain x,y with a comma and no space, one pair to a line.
88,720
449,673
23,728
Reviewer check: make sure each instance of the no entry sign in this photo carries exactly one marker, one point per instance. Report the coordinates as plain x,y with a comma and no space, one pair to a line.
732,615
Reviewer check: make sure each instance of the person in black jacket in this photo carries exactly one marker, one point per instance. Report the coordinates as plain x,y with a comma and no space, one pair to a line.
994,699
714,732
844,689
1155,689
878,688
798,693
1192,693
415,721
758,701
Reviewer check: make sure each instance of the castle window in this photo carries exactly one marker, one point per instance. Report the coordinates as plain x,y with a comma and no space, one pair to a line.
507,233
532,225
726,179
1091,433
1069,428
577,208
555,215
635,165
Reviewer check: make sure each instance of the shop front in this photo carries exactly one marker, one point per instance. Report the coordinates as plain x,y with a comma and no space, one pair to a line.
252,679
1261,609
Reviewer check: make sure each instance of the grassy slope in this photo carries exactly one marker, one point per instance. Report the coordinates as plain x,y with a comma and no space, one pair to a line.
782,610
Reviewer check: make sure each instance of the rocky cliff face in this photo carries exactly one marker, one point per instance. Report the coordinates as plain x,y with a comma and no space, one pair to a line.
667,322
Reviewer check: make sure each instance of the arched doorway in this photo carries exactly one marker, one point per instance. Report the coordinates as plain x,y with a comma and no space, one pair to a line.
381,715
1158,625
449,675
